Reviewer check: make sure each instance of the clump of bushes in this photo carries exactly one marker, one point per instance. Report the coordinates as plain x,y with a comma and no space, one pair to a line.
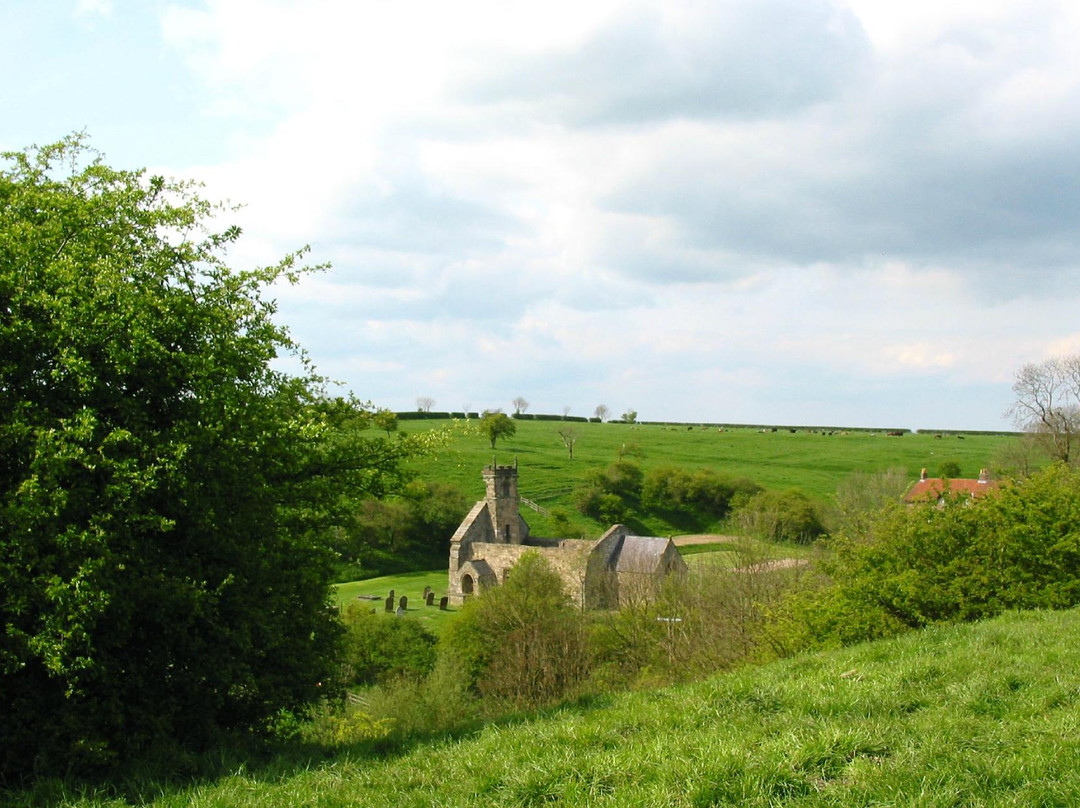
376,649
609,494
701,490
783,516
910,566
523,644
410,531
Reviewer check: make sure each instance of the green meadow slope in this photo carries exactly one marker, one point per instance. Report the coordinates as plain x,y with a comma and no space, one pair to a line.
812,461
982,714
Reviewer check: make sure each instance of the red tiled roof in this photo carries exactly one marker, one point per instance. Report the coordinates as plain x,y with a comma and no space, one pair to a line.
931,489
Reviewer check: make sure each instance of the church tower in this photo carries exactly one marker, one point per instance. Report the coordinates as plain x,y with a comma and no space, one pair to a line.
502,500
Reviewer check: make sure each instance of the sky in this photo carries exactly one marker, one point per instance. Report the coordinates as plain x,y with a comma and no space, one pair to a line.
800,212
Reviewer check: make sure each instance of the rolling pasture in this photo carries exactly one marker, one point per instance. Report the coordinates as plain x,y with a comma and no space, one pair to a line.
814,462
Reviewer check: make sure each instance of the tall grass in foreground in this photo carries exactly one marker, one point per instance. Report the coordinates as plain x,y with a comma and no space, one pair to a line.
983,714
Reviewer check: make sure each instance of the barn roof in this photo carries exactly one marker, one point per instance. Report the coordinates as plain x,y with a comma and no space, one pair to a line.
641,554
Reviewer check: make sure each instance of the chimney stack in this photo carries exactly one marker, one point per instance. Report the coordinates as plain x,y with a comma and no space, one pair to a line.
923,475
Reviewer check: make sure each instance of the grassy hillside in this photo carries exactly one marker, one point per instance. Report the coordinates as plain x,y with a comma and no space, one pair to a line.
410,584
974,715
813,462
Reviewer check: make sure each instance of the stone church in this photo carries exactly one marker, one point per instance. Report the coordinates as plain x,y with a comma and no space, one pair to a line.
597,573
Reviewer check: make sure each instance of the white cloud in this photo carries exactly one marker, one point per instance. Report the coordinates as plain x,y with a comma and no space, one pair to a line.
754,206
88,8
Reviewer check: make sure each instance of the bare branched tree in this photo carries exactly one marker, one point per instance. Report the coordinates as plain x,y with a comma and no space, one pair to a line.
1048,404
424,403
602,412
569,438
520,405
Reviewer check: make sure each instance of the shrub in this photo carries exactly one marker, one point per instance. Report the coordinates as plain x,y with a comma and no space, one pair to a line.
165,487
780,516
701,490
522,644
378,648
695,624
965,560
949,469
609,494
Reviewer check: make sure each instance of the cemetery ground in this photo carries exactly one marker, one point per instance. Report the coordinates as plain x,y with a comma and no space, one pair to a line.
982,714
729,551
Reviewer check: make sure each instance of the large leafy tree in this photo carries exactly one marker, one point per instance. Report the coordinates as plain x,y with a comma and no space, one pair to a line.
163,488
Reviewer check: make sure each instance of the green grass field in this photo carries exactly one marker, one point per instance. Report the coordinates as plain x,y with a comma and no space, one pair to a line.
978,715
410,584
812,462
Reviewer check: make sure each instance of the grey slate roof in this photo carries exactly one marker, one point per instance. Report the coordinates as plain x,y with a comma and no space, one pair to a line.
641,554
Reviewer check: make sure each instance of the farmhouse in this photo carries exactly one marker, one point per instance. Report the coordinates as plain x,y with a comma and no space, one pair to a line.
934,489
597,573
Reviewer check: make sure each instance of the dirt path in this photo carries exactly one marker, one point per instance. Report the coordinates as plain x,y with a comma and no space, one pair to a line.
704,538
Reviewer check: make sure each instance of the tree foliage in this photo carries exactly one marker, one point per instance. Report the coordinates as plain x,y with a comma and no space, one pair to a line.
521,644
968,559
379,648
406,532
702,490
164,490
609,494
780,516
386,420
495,425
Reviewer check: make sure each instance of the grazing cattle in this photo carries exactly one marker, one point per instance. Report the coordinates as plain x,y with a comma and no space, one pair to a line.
894,434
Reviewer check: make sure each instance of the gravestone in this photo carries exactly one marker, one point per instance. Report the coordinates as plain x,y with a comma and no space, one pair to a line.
430,599
403,604
391,594
390,603
400,611
444,601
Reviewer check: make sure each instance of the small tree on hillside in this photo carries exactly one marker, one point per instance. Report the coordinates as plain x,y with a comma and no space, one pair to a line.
424,403
495,424
386,420
569,438
602,412
520,405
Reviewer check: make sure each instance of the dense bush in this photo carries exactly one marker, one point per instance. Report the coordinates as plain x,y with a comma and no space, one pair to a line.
701,490
521,644
694,625
609,494
780,516
966,560
378,648
410,531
